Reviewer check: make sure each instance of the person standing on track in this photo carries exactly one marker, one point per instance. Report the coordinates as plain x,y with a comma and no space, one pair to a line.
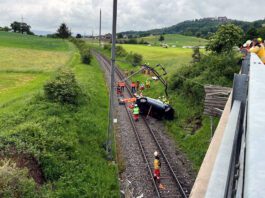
118,90
136,112
133,86
122,85
157,166
137,85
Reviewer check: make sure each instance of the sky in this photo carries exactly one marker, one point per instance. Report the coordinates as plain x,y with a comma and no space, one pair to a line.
82,16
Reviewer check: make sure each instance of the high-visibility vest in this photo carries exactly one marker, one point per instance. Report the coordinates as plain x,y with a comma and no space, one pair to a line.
147,82
133,85
260,51
156,164
136,110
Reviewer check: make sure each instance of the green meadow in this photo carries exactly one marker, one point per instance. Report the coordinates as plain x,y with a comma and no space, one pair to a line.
175,39
65,140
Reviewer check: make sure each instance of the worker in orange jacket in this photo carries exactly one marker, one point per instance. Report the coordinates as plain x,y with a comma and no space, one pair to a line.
122,85
133,86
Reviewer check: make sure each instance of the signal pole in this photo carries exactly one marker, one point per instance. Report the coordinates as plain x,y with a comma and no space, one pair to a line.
99,38
111,99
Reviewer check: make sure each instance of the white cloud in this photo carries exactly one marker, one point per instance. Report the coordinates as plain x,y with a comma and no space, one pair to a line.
82,15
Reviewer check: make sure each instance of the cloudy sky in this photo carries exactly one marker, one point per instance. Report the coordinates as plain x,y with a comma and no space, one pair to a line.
82,15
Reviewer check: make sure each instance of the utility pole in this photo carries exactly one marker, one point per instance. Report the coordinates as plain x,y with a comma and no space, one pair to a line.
21,25
111,98
99,38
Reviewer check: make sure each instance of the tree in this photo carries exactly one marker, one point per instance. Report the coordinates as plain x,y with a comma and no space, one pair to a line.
63,31
120,36
21,27
226,37
78,36
251,33
161,38
15,26
5,29
261,32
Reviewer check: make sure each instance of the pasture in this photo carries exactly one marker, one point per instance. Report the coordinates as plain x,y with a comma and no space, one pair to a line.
65,140
171,58
175,39
26,62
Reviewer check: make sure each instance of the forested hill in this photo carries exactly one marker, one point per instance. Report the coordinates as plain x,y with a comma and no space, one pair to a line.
198,27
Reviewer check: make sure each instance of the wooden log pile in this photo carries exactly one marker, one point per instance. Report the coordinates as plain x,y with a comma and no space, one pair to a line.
215,99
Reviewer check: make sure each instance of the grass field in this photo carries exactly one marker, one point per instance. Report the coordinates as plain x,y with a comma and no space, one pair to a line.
26,62
66,140
175,39
32,42
171,58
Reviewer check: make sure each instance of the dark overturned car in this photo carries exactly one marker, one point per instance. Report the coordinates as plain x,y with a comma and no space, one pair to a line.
155,108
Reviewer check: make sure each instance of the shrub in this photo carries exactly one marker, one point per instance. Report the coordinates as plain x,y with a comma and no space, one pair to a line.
14,182
107,47
134,58
86,56
132,41
63,88
120,51
137,59
83,49
212,69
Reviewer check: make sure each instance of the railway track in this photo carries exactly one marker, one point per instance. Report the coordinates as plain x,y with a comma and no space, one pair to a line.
149,142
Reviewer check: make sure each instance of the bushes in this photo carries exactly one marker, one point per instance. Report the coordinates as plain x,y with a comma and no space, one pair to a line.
83,49
86,56
134,58
14,182
63,88
120,51
212,69
107,47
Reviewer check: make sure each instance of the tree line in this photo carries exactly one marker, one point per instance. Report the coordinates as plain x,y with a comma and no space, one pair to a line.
18,27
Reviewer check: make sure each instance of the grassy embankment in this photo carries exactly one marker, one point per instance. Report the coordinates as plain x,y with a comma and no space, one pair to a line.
194,144
65,140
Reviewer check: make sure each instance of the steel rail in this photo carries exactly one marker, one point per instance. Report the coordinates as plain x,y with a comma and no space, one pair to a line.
181,190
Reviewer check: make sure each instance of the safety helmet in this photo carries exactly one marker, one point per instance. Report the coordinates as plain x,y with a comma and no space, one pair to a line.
155,153
247,43
136,105
259,39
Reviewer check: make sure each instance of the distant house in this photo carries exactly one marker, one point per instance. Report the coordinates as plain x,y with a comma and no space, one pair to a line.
222,19
108,36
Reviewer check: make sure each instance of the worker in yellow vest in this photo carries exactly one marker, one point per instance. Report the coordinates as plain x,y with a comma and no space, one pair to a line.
259,49
147,84
157,166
